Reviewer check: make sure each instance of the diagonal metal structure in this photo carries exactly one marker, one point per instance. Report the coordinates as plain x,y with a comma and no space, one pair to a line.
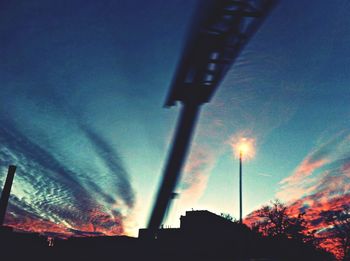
220,30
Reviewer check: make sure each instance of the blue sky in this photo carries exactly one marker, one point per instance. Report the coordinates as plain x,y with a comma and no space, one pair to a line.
83,84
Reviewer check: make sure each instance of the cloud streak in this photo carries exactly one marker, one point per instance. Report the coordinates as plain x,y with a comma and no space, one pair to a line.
52,196
323,169
319,184
196,173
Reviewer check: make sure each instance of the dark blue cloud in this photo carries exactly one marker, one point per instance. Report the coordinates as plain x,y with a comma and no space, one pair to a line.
48,189
112,160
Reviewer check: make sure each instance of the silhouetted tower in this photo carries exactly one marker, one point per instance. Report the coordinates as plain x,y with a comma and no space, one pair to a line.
5,195
220,30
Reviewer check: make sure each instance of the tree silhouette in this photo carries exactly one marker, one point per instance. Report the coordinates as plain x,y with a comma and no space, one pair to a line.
227,216
284,235
276,222
338,231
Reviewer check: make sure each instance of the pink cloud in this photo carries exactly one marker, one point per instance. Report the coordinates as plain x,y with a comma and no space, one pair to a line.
196,173
305,169
319,169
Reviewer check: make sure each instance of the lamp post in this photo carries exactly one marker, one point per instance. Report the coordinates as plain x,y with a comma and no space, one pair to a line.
244,150
240,187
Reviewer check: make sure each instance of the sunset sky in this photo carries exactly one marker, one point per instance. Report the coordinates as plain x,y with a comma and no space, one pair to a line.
83,85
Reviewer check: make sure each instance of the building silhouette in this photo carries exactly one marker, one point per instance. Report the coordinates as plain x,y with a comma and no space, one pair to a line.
197,224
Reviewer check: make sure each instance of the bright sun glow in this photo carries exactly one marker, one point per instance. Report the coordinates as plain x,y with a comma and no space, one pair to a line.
243,146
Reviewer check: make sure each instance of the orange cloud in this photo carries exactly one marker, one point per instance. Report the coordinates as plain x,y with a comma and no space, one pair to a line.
319,166
99,223
320,183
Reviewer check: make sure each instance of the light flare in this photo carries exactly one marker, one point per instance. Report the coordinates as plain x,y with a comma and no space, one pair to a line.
243,147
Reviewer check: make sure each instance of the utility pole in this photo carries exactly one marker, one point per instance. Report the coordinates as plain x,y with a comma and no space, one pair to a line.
5,195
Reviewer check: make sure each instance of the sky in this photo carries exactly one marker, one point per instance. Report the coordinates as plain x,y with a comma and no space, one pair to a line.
83,85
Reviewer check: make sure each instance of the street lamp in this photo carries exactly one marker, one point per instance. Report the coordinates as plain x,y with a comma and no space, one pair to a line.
244,149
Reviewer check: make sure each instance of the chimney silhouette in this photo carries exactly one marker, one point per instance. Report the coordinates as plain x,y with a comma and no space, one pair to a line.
6,193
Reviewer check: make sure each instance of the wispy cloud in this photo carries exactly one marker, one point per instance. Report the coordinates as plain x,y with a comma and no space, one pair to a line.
320,183
323,169
51,195
196,173
265,175
113,162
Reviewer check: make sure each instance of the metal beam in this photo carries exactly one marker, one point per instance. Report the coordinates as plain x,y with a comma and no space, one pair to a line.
177,156
219,32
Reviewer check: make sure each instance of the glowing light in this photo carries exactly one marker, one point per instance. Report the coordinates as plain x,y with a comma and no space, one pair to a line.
243,146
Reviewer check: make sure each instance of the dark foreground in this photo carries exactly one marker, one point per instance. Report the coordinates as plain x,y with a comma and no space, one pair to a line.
244,245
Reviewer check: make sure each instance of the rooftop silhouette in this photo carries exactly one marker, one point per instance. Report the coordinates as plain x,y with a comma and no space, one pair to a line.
202,235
